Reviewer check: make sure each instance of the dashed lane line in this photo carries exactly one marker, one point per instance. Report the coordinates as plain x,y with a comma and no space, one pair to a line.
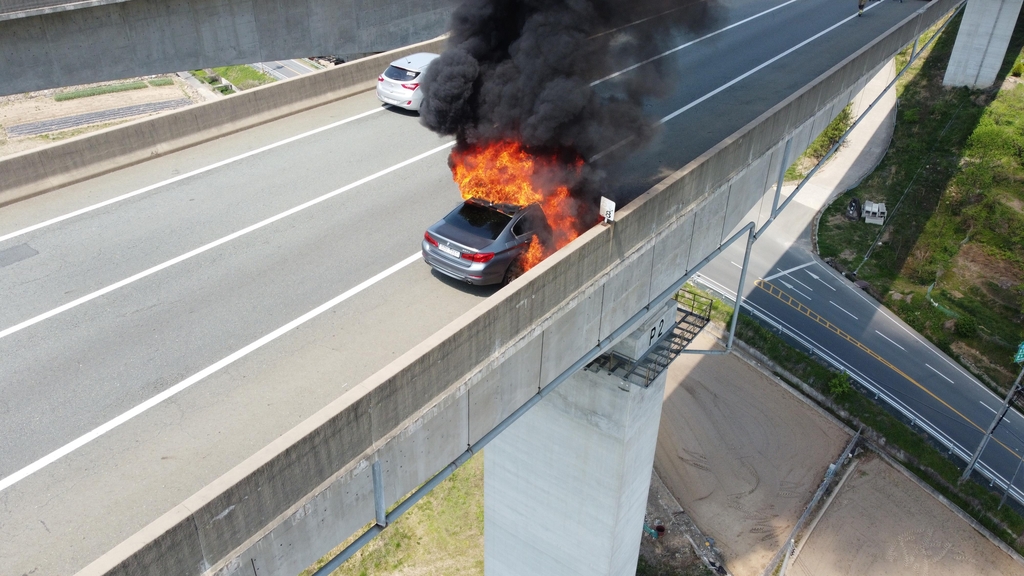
99,431
181,177
891,341
818,318
209,246
939,373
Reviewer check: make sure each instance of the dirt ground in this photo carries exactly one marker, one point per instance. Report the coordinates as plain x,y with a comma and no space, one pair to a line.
37,106
741,454
882,523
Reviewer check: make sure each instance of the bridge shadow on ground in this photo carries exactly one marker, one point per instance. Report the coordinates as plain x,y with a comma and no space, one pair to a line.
947,180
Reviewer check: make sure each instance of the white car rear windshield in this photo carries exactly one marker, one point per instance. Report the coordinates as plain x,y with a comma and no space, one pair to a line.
400,74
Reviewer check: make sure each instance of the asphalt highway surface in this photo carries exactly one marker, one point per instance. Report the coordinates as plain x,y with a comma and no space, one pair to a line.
163,322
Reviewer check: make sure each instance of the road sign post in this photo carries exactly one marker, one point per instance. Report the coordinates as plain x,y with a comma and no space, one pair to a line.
995,421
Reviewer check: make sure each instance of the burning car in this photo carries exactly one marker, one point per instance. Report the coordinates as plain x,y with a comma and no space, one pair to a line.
484,243
517,210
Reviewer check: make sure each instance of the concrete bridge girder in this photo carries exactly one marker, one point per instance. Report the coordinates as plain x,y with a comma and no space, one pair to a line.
313,487
109,41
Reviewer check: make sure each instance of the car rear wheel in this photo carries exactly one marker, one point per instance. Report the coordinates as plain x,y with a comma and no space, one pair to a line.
515,270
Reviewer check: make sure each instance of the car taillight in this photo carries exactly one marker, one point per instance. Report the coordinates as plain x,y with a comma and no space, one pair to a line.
410,86
429,238
479,257
380,78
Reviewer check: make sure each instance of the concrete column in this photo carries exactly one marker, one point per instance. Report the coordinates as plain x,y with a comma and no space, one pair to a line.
565,487
981,42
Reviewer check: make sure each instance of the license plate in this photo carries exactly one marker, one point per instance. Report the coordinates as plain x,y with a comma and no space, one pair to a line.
449,251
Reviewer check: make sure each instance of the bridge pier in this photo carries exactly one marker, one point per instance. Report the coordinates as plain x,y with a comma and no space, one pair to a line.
981,42
565,487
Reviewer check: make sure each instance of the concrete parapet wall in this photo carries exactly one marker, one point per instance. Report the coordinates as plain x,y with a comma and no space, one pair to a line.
37,171
54,45
309,490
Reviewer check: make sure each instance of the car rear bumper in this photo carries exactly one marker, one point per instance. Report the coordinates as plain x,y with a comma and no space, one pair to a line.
409,101
478,274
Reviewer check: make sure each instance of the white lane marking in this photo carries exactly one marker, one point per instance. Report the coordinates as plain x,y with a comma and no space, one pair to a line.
735,264
761,66
215,243
784,272
843,309
795,279
818,278
186,175
793,288
987,406
687,44
198,376
940,373
899,324
891,341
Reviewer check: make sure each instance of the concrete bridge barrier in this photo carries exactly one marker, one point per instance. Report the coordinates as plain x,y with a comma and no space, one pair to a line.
312,488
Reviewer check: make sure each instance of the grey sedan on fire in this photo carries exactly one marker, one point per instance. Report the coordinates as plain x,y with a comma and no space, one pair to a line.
480,243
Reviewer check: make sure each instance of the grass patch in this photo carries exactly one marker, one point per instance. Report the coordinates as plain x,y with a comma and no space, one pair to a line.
161,82
442,534
916,451
244,77
953,183
821,145
97,90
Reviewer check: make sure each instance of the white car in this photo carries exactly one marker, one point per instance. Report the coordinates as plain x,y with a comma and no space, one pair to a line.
399,85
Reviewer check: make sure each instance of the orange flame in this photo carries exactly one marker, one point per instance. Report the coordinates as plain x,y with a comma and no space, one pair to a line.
503,173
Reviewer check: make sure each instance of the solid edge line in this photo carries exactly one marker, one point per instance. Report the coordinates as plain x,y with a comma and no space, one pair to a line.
198,376
223,240
195,172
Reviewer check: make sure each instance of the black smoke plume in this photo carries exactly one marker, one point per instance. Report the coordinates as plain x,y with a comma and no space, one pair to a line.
523,70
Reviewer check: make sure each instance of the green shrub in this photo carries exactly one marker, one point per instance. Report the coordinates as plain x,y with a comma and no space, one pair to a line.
243,77
839,385
966,326
1018,68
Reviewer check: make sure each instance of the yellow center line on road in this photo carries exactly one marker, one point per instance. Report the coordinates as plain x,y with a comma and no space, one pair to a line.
800,307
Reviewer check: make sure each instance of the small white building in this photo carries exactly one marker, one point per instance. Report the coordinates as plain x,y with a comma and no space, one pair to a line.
873,213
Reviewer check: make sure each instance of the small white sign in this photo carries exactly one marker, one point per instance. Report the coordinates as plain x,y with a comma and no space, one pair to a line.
607,209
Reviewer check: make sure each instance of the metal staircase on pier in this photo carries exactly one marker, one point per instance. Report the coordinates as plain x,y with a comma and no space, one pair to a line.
693,312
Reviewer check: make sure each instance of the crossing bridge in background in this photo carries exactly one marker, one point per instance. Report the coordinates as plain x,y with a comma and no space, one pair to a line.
50,43
54,43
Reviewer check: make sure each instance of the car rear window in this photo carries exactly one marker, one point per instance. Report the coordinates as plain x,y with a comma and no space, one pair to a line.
400,74
479,220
